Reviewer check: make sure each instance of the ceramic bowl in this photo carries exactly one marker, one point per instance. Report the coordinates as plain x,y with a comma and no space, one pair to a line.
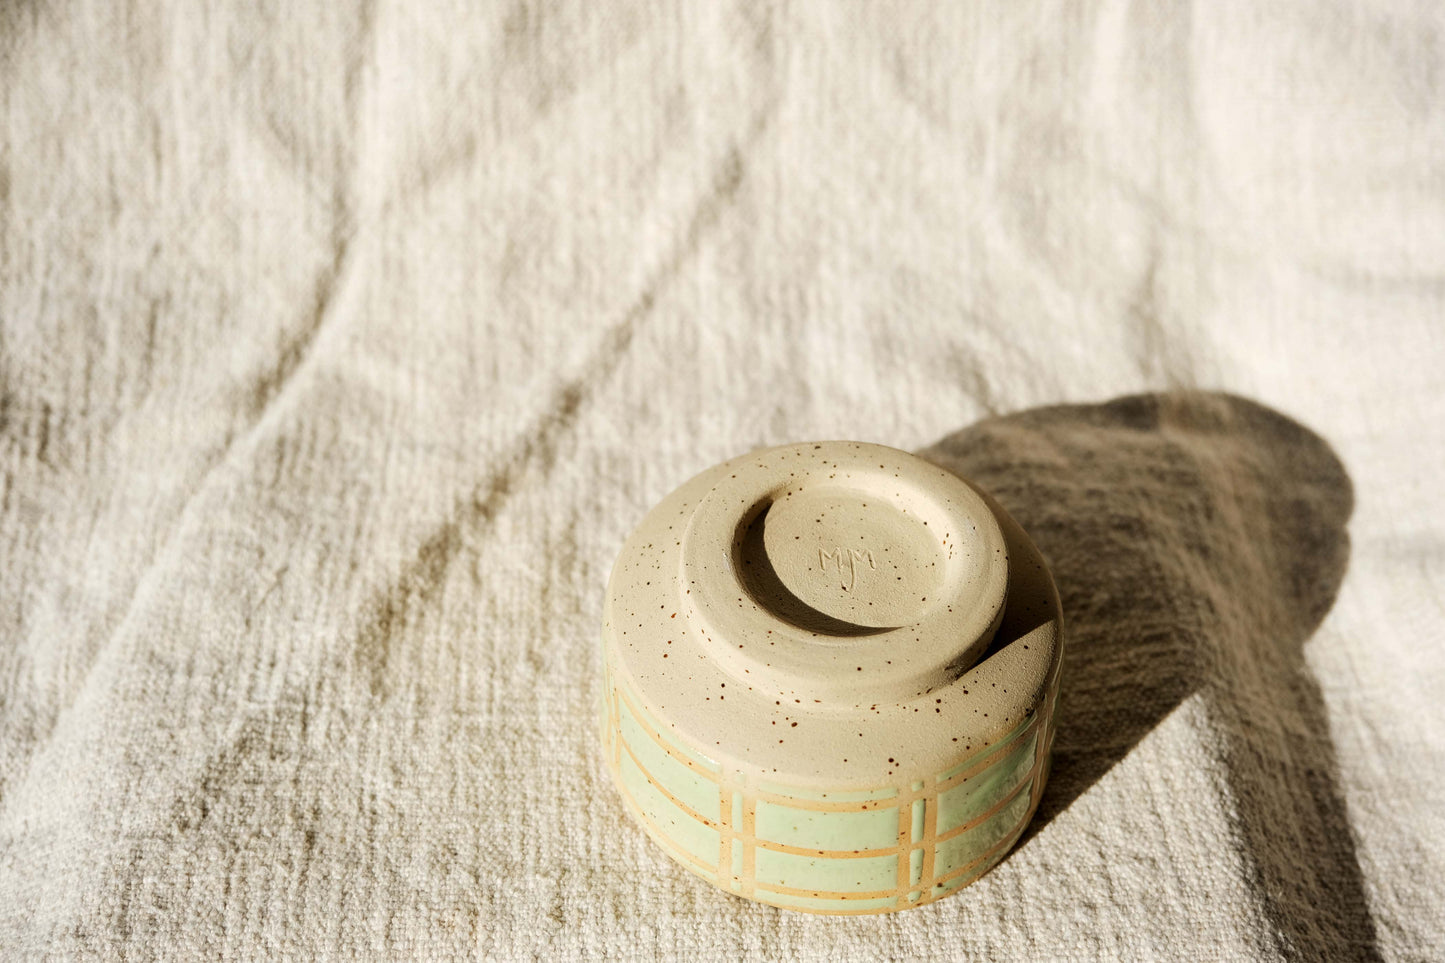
830,672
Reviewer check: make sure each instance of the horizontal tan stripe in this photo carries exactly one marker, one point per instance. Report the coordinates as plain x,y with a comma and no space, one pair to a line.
728,833
828,911
662,743
755,840
1008,839
709,823
924,887
1006,746
823,853
829,806
987,758
656,832
989,813
825,893
1004,843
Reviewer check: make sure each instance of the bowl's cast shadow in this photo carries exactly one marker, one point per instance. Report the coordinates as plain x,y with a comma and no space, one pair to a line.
1198,540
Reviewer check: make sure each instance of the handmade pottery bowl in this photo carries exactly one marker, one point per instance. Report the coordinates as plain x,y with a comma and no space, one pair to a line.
830,678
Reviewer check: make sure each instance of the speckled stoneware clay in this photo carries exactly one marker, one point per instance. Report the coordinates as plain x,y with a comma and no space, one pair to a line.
830,676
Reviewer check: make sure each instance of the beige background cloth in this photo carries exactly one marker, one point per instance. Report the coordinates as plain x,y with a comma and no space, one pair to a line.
344,343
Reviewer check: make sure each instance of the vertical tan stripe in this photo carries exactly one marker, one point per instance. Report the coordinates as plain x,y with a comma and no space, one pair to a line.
737,811
615,728
1041,754
750,850
905,836
724,836
930,833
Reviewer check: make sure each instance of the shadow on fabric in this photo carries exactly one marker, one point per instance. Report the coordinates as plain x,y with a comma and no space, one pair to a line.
1198,540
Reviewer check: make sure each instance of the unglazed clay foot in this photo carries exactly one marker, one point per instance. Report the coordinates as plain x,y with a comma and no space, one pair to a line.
830,677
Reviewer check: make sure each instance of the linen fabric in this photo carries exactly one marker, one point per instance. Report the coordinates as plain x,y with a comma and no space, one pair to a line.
341,345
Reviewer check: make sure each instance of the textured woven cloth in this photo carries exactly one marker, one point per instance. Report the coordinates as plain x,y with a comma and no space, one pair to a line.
344,344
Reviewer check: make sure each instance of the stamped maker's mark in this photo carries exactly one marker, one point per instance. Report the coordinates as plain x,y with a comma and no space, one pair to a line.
851,557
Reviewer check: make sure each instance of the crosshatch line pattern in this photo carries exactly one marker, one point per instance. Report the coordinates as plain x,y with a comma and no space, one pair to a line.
707,819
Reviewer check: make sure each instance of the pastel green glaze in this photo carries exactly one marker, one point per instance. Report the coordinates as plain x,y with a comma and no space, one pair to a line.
830,673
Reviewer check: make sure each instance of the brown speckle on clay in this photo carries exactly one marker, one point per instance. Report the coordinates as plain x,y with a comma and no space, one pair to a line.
830,552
